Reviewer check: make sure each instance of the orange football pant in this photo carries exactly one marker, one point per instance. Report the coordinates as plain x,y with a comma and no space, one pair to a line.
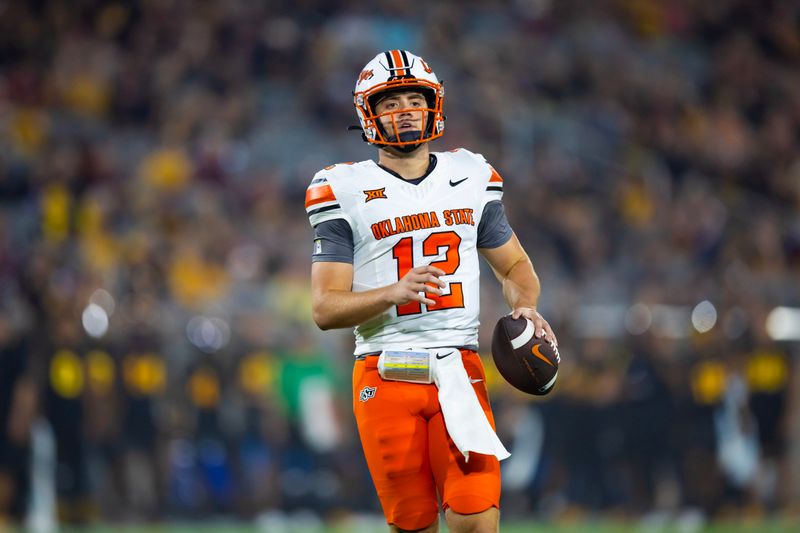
409,453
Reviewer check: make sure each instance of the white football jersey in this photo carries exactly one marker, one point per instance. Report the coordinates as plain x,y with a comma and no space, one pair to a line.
398,226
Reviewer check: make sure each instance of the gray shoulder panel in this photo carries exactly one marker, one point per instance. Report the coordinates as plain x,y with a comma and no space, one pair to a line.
493,230
333,242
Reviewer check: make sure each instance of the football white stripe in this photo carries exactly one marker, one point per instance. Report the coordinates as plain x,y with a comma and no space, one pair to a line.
523,337
550,383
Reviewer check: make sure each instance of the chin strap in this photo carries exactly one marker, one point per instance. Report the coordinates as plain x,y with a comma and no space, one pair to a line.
361,131
358,129
405,136
407,149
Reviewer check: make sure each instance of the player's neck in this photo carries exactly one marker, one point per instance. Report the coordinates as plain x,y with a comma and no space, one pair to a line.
408,166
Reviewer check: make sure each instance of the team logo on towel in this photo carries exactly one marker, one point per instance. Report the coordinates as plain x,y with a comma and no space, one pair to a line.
367,393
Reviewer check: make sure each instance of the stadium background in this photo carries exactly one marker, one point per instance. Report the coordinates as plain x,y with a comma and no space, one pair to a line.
158,363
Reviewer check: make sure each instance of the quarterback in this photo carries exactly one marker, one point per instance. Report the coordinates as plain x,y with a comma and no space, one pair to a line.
396,257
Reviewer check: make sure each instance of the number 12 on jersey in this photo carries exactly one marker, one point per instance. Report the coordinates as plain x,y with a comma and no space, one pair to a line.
403,253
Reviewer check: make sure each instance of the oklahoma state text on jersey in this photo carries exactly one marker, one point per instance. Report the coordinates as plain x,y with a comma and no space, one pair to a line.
406,223
397,226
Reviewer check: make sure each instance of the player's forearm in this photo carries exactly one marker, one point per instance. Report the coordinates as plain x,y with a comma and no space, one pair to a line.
521,286
345,309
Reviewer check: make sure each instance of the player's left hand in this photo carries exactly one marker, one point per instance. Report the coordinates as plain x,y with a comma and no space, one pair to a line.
541,329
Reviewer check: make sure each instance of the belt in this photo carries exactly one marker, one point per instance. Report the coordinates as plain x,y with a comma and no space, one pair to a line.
365,356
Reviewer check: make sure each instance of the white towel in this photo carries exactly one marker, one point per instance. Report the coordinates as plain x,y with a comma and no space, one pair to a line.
463,415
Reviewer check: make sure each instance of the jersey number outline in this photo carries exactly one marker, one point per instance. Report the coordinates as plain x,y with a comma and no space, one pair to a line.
403,253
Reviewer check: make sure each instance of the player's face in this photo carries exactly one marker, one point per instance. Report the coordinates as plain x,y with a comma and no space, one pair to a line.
401,106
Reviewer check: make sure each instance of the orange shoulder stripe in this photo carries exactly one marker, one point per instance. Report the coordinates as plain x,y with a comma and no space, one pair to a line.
495,177
319,194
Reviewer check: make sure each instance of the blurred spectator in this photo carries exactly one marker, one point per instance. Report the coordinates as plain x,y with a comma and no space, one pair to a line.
18,405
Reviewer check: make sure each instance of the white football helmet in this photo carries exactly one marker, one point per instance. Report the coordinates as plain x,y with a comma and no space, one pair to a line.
396,70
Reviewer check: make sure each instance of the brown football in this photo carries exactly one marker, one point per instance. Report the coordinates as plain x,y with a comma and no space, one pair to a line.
527,363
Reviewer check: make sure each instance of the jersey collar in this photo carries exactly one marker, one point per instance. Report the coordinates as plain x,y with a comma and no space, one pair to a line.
416,181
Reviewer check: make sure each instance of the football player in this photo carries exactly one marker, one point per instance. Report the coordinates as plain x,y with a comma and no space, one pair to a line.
396,256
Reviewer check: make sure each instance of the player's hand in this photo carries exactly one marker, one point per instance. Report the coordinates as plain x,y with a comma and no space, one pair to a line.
413,286
541,329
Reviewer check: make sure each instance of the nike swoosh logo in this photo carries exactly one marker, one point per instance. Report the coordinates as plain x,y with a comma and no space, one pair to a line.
475,380
535,351
454,183
443,356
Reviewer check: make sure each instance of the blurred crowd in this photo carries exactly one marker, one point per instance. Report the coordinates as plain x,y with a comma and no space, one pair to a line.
157,355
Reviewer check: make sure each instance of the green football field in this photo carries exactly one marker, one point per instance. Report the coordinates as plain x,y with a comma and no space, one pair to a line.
783,526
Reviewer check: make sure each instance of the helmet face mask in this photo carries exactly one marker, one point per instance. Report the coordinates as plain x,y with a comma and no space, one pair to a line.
396,71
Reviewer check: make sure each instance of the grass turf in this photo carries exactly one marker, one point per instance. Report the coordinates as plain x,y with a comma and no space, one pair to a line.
510,527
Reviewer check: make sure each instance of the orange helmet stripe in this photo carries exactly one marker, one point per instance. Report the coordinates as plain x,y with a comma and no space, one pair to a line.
495,177
317,195
398,63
